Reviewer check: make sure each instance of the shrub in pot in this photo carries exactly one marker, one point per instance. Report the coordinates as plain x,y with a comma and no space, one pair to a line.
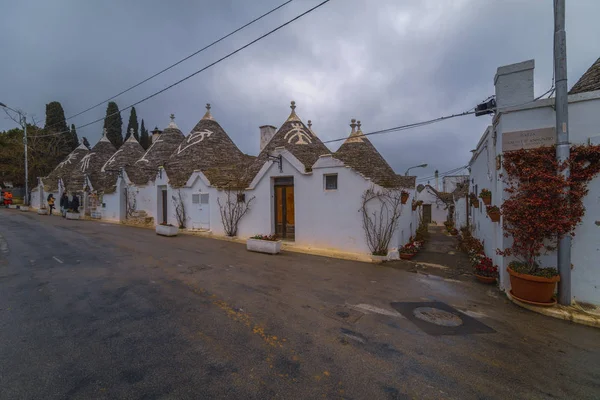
404,196
486,196
269,244
532,284
494,213
485,270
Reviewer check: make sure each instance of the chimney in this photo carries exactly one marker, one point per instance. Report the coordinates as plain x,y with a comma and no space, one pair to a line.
155,134
514,84
266,133
437,180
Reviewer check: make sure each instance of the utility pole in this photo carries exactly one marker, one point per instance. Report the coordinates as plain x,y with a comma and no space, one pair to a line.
26,200
562,141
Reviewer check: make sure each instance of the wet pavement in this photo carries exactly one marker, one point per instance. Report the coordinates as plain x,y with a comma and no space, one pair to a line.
95,310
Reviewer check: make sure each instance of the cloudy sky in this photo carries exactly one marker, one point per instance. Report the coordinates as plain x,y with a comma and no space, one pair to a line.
385,62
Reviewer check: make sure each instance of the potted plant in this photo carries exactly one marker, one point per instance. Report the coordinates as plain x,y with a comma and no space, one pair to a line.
165,229
379,256
485,270
404,195
486,196
72,214
494,213
474,200
268,244
410,249
532,284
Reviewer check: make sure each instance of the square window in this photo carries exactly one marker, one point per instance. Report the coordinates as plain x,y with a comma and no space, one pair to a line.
241,197
331,182
195,198
203,198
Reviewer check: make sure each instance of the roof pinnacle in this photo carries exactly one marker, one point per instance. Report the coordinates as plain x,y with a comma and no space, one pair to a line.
207,115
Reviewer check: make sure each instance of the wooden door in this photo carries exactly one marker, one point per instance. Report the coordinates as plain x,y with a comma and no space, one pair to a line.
285,221
427,213
164,206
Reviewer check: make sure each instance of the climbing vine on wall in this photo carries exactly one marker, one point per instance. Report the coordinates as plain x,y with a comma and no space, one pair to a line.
536,214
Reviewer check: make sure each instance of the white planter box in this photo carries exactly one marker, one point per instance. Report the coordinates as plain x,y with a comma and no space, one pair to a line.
73,215
42,211
378,259
13,206
166,230
264,246
24,208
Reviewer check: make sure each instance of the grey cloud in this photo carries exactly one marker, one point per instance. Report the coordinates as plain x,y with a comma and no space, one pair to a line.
384,62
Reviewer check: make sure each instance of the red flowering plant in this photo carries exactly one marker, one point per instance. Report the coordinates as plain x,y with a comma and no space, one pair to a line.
537,213
485,267
412,247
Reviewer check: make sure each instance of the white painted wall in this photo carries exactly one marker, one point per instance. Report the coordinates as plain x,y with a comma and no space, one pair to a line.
460,212
449,182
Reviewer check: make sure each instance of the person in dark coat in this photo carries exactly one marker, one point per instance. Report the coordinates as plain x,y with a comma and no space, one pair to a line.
64,204
74,203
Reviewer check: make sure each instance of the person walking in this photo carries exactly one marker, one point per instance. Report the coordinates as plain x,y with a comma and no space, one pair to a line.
75,204
50,203
64,204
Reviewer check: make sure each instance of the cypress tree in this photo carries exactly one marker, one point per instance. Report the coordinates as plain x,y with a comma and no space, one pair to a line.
74,138
55,118
56,123
113,124
144,138
86,143
133,123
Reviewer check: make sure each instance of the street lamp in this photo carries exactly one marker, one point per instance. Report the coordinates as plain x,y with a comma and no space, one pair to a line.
23,123
416,166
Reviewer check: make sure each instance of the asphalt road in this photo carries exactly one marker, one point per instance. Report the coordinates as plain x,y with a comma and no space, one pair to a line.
92,310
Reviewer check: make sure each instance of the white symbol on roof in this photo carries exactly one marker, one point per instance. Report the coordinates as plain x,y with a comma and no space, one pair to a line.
194,138
298,132
70,158
85,161
110,161
158,140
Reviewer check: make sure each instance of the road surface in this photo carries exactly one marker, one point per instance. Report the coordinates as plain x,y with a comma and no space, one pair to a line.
93,310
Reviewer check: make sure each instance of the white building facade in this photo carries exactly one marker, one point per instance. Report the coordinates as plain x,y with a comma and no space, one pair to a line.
519,114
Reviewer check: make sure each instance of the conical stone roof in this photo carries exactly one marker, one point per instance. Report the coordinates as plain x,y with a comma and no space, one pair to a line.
589,81
358,153
127,155
206,147
91,163
146,168
297,138
64,169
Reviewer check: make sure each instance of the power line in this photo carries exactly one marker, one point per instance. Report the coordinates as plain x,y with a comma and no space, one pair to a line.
442,175
203,69
177,63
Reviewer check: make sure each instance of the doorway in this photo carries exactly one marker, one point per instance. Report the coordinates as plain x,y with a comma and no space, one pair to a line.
161,209
427,213
285,218
201,219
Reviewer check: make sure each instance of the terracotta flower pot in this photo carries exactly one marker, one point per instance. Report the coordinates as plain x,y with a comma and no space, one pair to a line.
532,289
494,216
414,208
475,203
404,198
485,279
487,200
407,256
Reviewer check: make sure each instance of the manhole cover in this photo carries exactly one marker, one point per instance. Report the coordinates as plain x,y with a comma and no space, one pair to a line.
437,316
342,314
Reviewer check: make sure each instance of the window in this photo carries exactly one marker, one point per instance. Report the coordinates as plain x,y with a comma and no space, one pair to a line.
204,198
195,198
331,182
241,197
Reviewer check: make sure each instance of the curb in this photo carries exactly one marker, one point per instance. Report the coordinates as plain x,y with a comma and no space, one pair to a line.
561,312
